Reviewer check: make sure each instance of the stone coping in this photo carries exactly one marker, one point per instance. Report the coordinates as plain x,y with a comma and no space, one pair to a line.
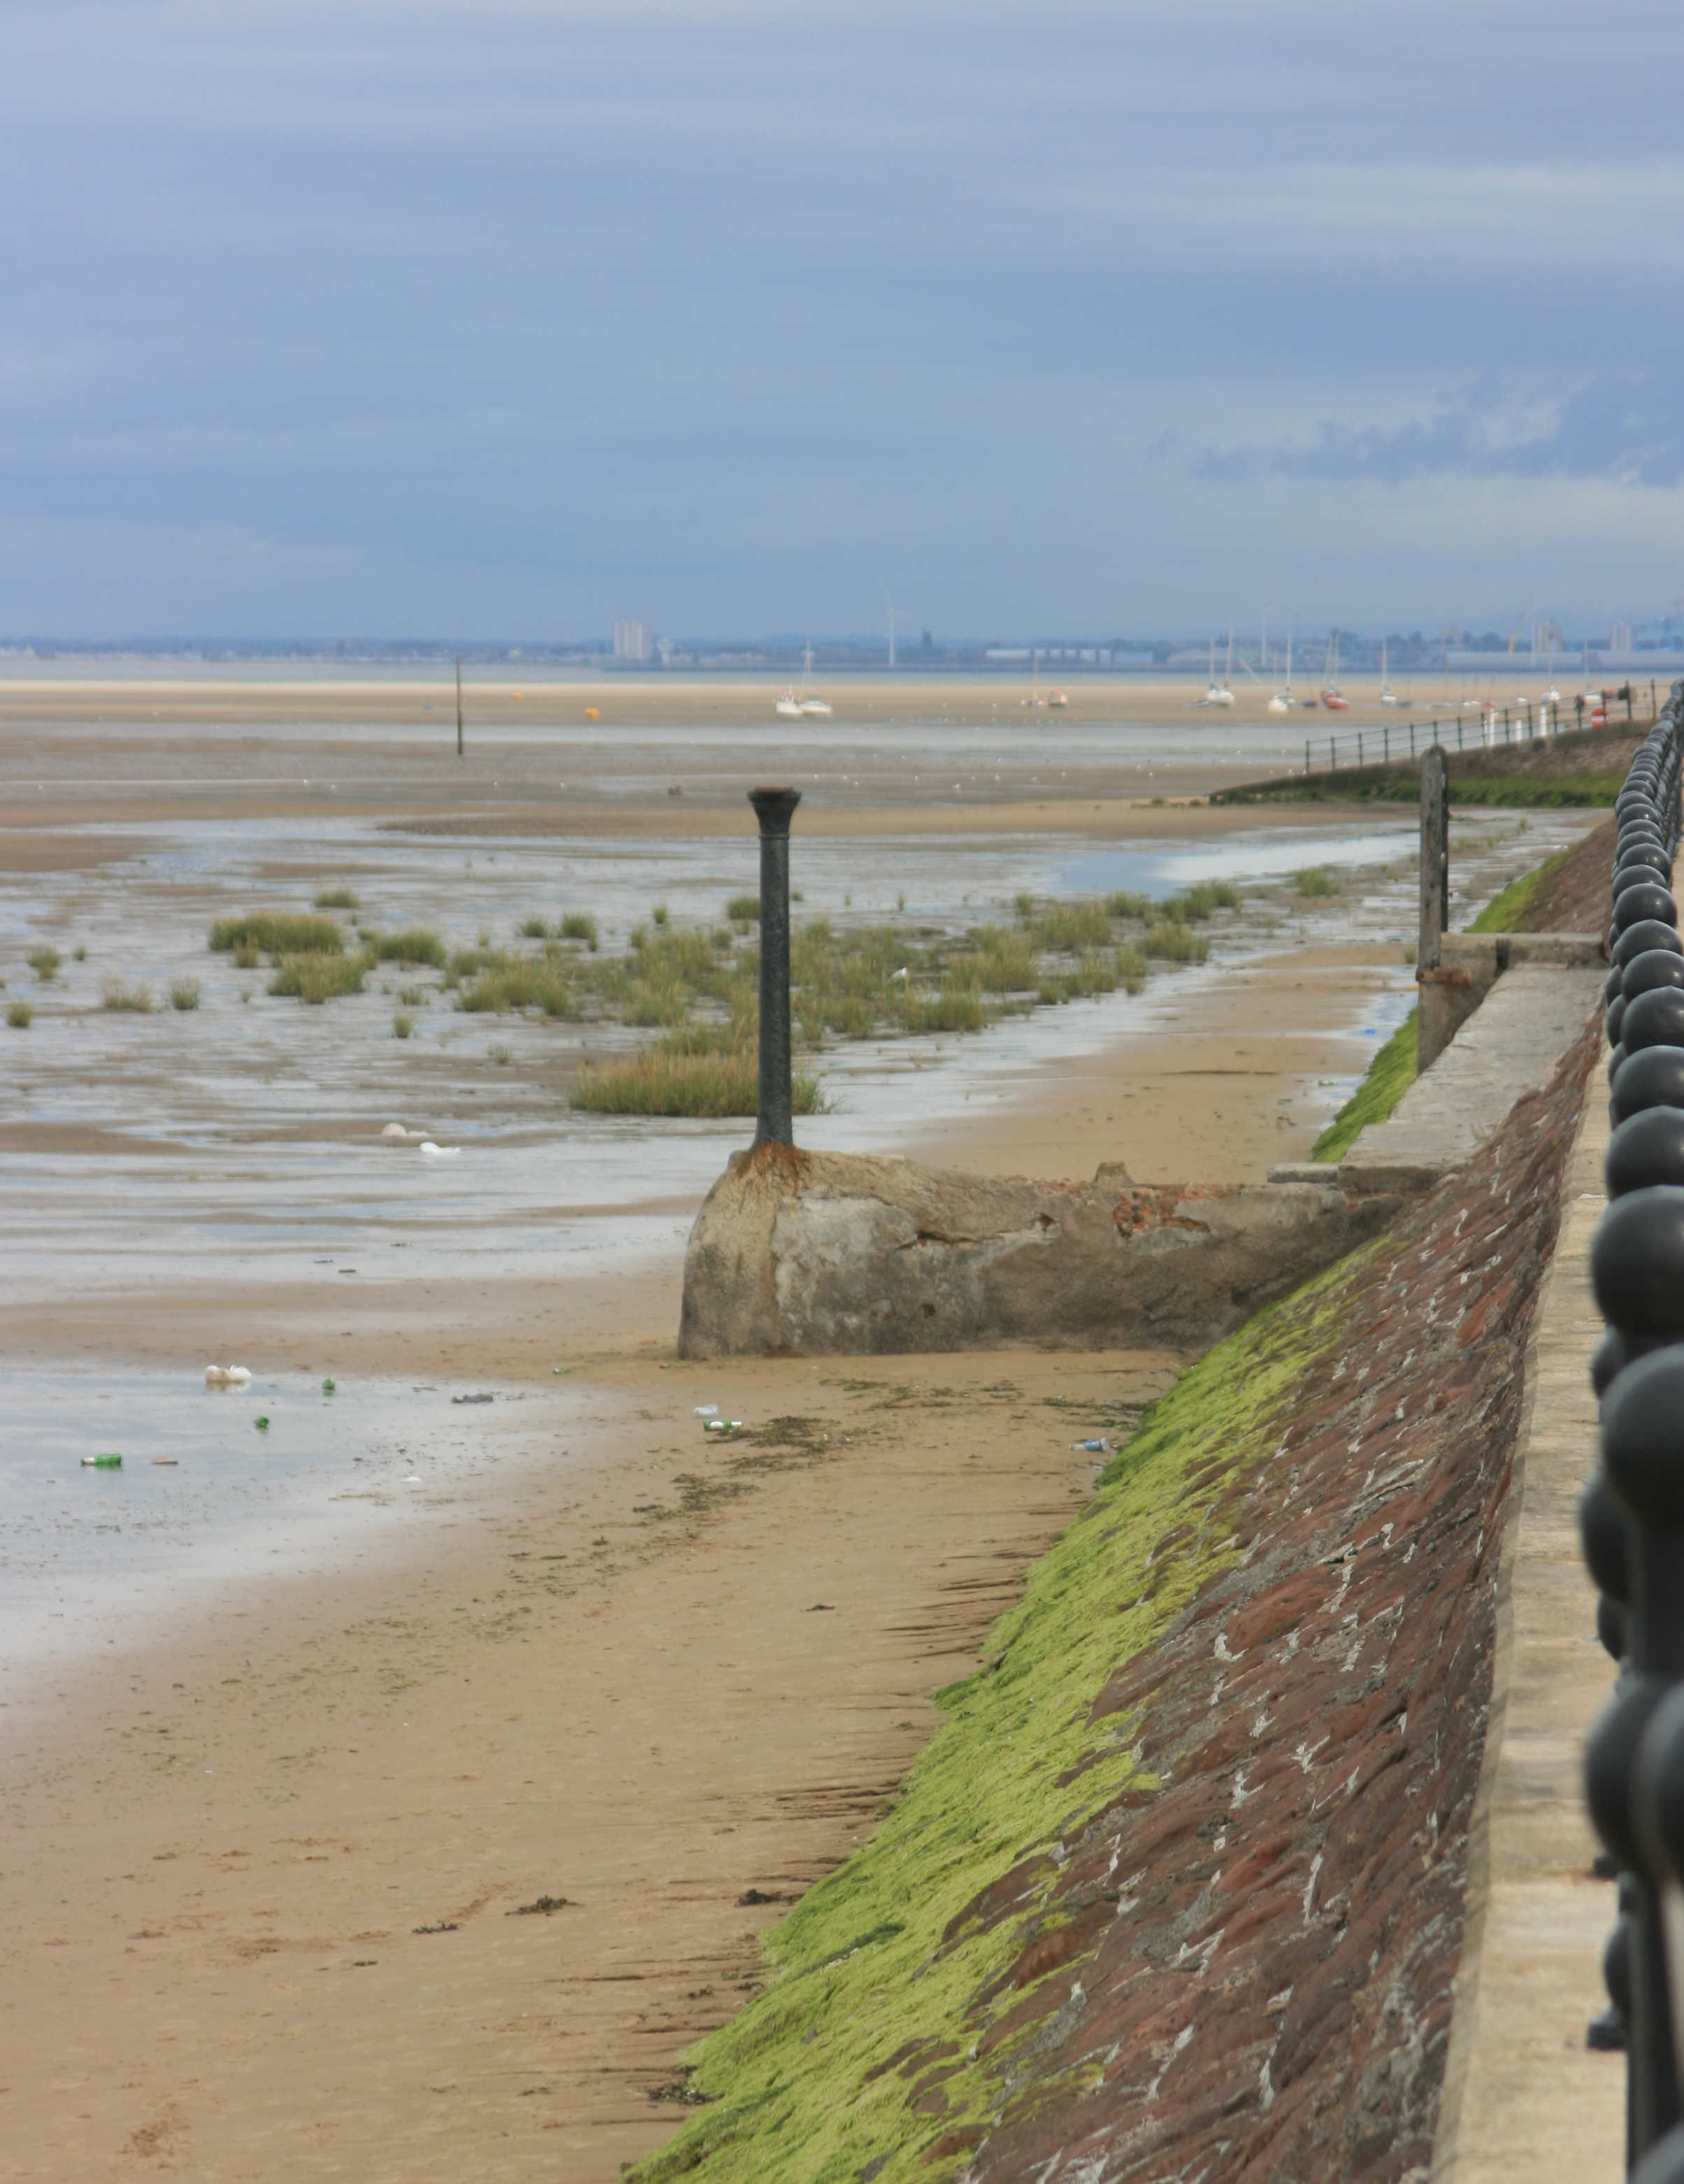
1523,2095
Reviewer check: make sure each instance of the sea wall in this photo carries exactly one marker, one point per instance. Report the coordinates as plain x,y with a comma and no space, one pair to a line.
1178,1888
812,1254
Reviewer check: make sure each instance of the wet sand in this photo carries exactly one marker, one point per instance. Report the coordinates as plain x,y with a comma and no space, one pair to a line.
650,1676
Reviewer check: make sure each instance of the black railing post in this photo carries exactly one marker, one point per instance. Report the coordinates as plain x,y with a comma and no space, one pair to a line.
774,808
1633,1516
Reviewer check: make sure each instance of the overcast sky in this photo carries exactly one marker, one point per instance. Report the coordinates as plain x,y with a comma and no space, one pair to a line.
493,319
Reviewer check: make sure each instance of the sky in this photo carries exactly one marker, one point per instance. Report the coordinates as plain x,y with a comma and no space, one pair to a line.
498,319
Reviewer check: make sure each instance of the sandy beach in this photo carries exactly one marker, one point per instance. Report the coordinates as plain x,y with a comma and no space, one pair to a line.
268,1864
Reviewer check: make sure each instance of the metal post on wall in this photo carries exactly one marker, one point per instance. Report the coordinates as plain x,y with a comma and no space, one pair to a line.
774,808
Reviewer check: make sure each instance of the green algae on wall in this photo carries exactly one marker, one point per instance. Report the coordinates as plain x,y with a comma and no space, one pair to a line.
1503,912
886,1955
1392,1071
1389,1077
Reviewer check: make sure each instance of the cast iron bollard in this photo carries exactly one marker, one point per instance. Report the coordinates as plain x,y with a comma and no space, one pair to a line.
1632,1514
774,808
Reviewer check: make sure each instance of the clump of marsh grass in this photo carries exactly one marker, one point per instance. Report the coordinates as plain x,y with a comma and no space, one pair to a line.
403,1023
412,997
496,983
666,1079
535,929
277,932
184,994
503,1056
80,954
1067,929
414,945
1193,905
44,962
20,1015
580,925
1167,942
1315,880
132,1001
1125,903
335,898
660,913
744,910
315,978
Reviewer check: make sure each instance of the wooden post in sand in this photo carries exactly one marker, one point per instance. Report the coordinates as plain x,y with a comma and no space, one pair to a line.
459,705
1437,1012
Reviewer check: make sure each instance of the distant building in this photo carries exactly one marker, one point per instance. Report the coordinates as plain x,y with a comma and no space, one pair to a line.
1620,637
1547,637
633,640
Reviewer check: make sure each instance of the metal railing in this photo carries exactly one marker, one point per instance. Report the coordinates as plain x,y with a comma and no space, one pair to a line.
1631,1515
1488,727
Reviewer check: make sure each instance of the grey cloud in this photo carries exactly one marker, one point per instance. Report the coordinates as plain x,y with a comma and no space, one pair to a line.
1627,429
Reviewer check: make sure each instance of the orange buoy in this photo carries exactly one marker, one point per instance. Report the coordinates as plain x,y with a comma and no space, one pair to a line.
592,714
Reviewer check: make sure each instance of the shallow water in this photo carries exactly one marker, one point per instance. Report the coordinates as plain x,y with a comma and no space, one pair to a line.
241,1141
92,1559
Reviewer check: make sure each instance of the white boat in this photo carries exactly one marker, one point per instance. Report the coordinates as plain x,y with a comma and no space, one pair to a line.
1218,693
1388,696
1282,701
814,707
789,707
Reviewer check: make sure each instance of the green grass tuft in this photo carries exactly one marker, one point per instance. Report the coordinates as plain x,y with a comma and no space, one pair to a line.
184,994
278,932
1315,880
580,925
664,1079
132,1000
535,929
1172,943
415,944
318,978
44,962
335,898
403,1023
744,910
20,1015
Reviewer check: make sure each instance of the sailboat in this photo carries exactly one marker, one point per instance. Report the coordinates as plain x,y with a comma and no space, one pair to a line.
1331,695
789,707
1219,694
1282,701
1388,696
810,704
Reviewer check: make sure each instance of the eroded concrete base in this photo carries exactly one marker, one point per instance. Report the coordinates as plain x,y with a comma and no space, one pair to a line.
816,1253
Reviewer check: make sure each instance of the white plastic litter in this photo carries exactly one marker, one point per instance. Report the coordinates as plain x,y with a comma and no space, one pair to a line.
395,1130
226,1376
436,1152
707,1410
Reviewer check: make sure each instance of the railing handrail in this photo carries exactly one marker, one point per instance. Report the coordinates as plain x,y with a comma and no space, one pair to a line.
1494,726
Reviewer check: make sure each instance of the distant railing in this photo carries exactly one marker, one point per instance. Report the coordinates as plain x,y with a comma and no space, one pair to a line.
1485,728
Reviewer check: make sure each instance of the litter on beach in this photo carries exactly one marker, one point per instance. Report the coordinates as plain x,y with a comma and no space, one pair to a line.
1093,1447
103,1463
437,1152
226,1376
721,1425
707,1410
395,1130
